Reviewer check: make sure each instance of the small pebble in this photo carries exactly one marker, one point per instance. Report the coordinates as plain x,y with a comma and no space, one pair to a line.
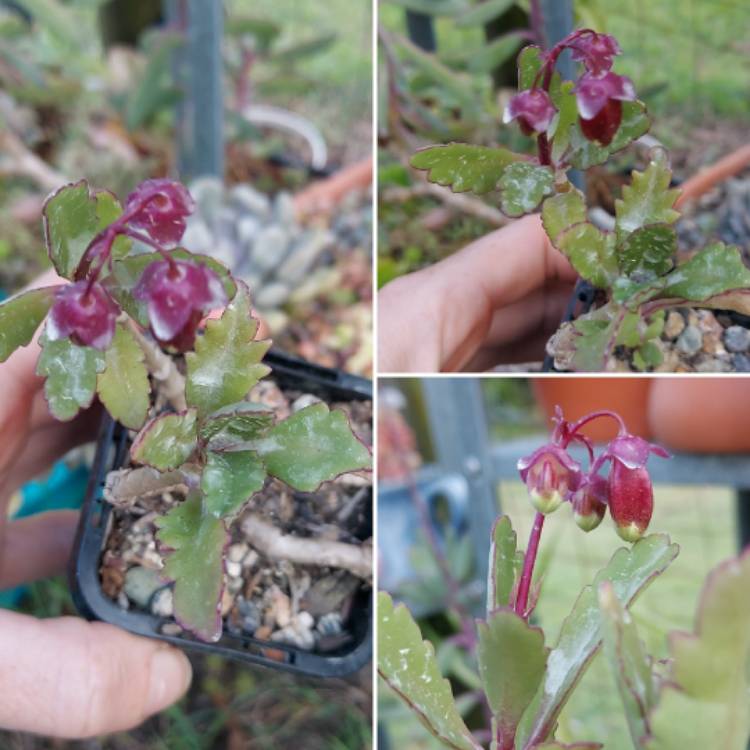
170,628
674,326
250,614
690,341
162,603
330,624
141,584
305,400
236,552
737,339
233,569
741,363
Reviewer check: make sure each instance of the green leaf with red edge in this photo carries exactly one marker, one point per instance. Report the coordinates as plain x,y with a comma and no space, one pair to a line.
312,446
561,212
591,252
123,385
564,122
226,362
408,665
511,657
73,216
628,661
127,272
713,270
648,199
196,564
108,210
703,703
504,558
70,371
523,186
648,251
464,167
529,64
21,316
630,570
582,153
229,480
167,441
235,424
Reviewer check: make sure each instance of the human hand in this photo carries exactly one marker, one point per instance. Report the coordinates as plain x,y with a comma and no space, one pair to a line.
63,677
497,300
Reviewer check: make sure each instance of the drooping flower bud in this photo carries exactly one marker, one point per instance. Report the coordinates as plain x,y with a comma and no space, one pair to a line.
595,51
631,500
590,502
85,314
599,100
533,109
178,295
160,209
633,451
551,475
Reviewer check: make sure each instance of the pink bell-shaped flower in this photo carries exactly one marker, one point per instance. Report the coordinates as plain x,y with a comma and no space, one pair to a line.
551,475
85,313
533,109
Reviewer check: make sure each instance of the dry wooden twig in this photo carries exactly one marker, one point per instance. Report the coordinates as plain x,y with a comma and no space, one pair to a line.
17,160
271,542
125,487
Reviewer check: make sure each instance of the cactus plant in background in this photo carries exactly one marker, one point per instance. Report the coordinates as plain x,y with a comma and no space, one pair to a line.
579,124
127,330
697,698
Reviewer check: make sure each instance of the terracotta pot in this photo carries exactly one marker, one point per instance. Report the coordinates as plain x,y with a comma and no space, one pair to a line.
577,396
702,415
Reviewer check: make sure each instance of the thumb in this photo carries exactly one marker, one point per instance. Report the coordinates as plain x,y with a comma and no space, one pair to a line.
70,678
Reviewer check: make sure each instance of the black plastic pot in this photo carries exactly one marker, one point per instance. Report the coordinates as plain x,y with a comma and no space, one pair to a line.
92,603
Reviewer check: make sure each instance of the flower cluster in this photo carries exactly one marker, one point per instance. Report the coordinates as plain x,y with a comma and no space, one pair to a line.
177,293
599,92
553,476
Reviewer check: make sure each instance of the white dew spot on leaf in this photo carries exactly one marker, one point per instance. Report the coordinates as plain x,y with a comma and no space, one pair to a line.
523,185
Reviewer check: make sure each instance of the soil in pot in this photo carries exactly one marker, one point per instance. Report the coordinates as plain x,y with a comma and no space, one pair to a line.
267,596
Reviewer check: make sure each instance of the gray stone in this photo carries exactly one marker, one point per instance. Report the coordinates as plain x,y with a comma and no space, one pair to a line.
741,363
330,624
225,252
690,341
247,230
250,200
141,584
236,552
302,257
198,237
272,295
305,400
713,364
283,210
162,603
674,325
737,339
250,613
233,569
208,193
270,248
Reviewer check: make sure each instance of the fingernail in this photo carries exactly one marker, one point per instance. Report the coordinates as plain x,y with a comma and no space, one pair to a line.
169,678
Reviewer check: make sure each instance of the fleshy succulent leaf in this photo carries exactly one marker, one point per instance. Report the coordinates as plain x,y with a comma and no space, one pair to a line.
312,446
503,556
704,701
229,480
647,199
523,185
630,571
167,441
235,424
562,211
70,372
123,385
464,167
647,252
73,216
408,665
591,252
195,563
511,656
714,270
226,362
21,316
628,661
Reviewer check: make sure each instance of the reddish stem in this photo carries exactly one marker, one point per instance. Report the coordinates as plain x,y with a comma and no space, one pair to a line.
542,144
595,415
524,585
146,240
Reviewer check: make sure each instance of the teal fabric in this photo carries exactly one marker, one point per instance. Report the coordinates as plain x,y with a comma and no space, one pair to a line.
63,488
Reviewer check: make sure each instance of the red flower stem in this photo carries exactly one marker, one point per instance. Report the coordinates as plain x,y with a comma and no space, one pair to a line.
524,585
543,149
146,240
597,415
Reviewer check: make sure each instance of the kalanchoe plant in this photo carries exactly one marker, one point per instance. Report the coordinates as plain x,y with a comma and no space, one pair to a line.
697,698
579,124
129,322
